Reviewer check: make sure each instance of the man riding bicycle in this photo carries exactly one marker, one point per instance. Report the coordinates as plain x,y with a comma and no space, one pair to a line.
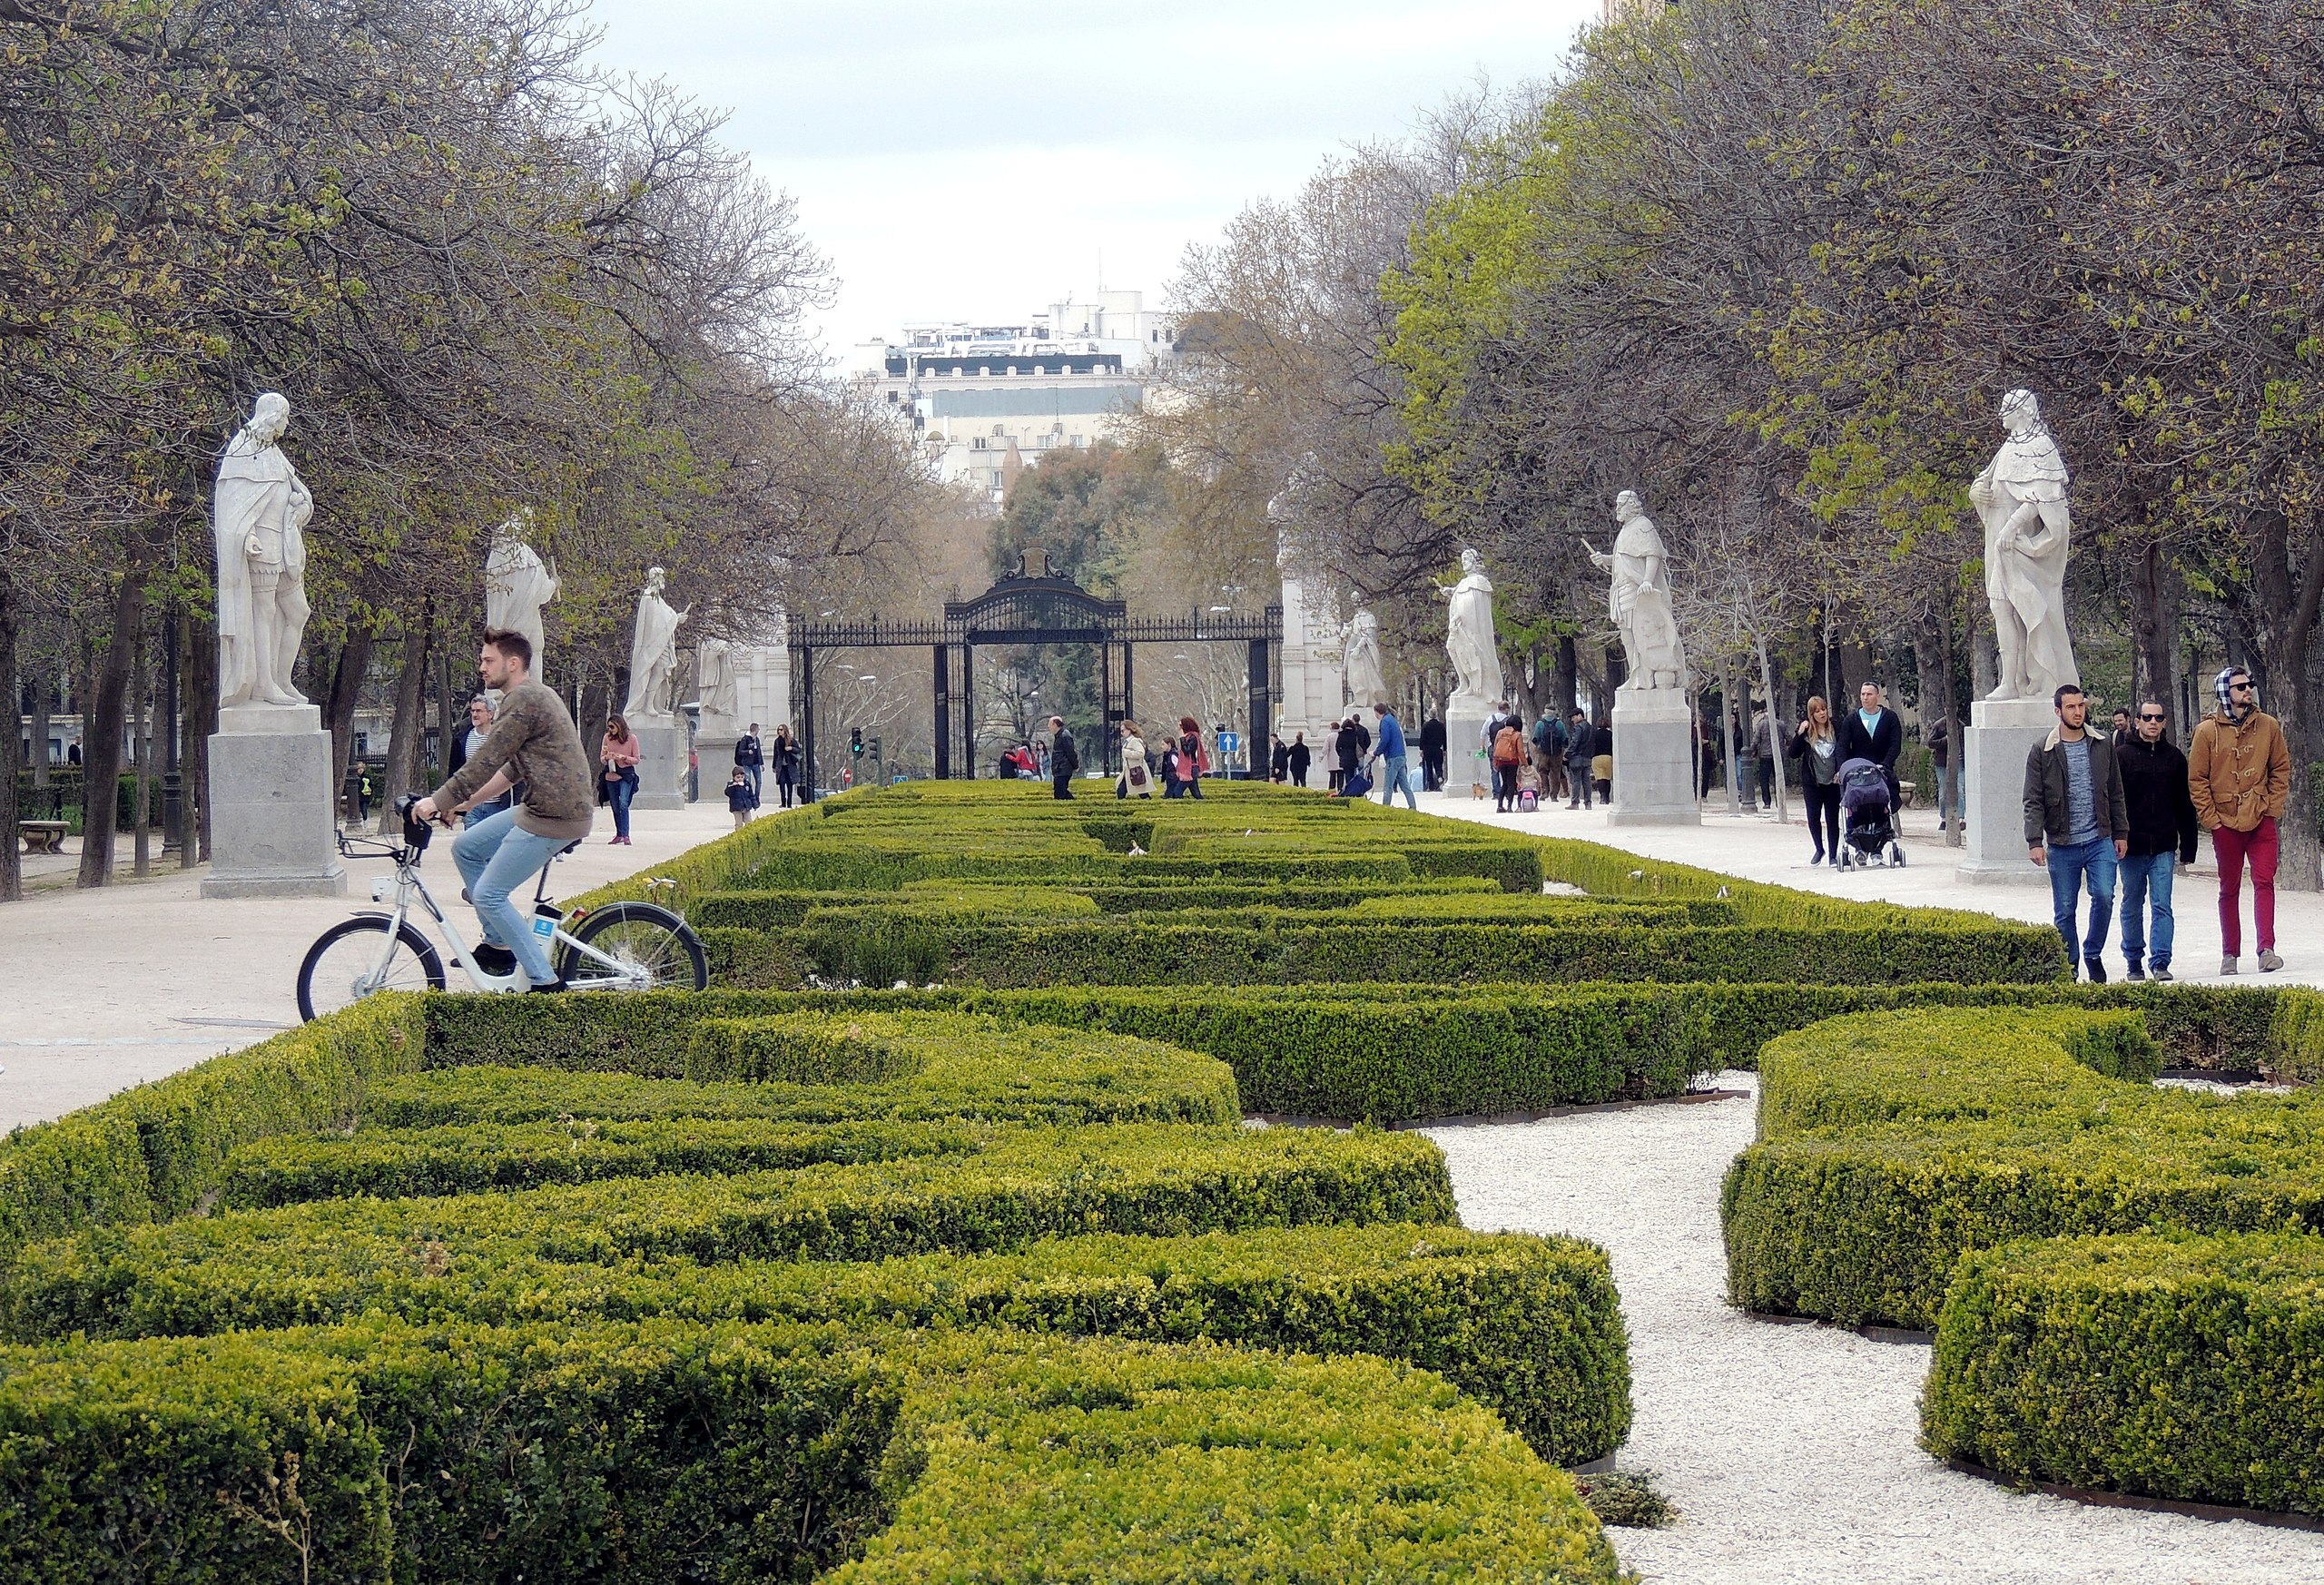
533,741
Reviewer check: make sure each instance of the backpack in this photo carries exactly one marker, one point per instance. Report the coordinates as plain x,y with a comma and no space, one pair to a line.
1507,747
1527,801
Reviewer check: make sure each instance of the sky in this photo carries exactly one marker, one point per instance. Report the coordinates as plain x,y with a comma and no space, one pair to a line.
977,161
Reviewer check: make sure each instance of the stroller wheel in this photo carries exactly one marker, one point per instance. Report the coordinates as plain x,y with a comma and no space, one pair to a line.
1896,854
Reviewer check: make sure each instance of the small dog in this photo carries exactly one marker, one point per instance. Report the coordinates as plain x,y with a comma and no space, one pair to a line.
1476,790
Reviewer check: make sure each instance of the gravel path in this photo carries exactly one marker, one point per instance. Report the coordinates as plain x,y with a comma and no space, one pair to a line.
1789,1450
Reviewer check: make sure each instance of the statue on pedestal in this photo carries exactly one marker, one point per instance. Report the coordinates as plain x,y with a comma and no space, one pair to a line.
652,653
517,585
2021,498
259,509
1469,639
1640,599
1360,660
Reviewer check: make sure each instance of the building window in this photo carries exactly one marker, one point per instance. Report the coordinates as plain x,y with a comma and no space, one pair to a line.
1038,370
984,368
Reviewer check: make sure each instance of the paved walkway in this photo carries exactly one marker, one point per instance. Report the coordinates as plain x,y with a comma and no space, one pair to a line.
1757,849
113,986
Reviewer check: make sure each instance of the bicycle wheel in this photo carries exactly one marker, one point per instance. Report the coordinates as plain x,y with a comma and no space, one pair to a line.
656,949
357,956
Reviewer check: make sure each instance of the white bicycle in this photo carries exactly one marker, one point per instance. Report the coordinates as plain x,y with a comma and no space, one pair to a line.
623,946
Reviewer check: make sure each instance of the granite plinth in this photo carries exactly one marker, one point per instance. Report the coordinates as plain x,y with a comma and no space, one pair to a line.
2000,733
1466,763
1654,759
662,764
272,827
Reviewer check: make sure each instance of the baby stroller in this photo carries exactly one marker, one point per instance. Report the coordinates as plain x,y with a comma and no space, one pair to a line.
1871,836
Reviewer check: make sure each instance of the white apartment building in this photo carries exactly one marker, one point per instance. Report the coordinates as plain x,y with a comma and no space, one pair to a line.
988,400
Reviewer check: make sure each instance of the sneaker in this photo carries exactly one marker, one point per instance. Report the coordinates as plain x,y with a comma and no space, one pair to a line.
2162,973
2096,970
2135,974
2227,965
2270,962
1816,860
557,984
494,961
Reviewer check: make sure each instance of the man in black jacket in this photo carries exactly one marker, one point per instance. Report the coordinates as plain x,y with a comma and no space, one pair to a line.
1432,754
750,757
2077,824
1064,758
2162,829
1873,732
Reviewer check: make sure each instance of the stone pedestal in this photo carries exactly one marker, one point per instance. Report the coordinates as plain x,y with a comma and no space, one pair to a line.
271,830
1465,759
2001,731
1654,759
662,763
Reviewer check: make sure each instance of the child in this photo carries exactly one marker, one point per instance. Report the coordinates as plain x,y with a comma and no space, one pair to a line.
740,798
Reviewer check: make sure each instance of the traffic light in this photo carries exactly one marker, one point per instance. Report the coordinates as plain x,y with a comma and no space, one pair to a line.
875,751
855,742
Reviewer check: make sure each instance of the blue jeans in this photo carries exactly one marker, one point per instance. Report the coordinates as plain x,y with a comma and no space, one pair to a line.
2143,873
1392,781
2069,863
495,858
618,793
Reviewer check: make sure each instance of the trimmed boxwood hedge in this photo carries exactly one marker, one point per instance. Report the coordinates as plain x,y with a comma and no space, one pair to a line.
1528,1325
2168,1366
1893,1143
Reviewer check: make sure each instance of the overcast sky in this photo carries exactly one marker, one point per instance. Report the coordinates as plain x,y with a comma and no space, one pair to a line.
975,162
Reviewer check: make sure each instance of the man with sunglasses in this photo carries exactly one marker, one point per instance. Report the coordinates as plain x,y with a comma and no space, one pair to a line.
2162,836
2239,774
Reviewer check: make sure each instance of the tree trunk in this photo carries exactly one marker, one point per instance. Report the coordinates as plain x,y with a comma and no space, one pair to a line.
1956,757
101,733
2154,622
141,744
412,707
2288,606
1774,732
1569,677
339,710
200,721
12,874
37,677
1727,730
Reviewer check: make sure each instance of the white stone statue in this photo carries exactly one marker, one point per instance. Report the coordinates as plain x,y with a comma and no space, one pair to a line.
652,653
1640,600
259,509
517,585
715,681
1469,639
1360,659
2021,498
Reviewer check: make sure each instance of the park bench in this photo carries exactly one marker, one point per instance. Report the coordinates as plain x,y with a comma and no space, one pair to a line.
42,836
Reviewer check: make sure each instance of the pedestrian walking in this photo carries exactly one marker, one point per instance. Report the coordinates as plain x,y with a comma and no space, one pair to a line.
1297,758
1548,754
2126,729
1137,780
1347,751
1191,760
750,758
1815,745
2239,774
786,764
617,755
2162,835
1064,758
1876,733
1578,753
2077,824
1763,754
1601,762
1394,777
1432,754
1508,755
1278,759
742,798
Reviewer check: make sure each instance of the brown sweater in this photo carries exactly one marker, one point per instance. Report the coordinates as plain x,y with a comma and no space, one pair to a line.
534,737
2238,774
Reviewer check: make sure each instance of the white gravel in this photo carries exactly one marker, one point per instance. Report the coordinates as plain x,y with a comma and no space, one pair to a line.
1789,1451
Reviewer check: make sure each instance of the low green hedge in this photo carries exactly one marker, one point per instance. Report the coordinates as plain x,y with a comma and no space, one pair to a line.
378,1453
803,1049
1136,1463
2296,1035
1530,1326
483,1157
2172,1366
1893,1143
1021,1184
1139,954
